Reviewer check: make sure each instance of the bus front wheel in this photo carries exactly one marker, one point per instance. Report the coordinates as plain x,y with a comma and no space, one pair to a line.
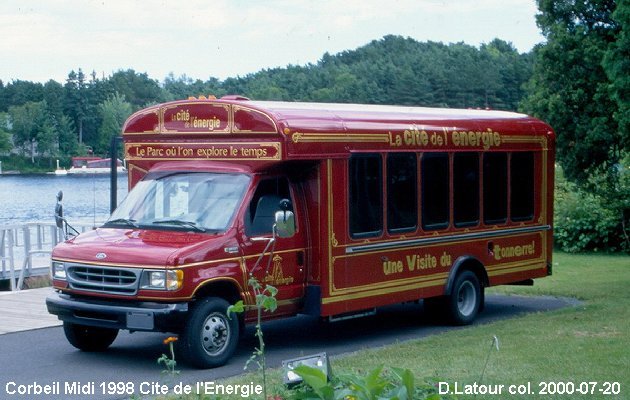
464,302
89,338
209,337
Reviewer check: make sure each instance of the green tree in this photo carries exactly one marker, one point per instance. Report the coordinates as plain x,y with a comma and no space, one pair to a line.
33,129
97,91
570,89
3,97
507,70
5,136
617,67
5,141
178,88
114,111
410,88
75,100
267,89
67,138
392,70
138,88
184,87
53,93
18,92
23,126
580,86
46,138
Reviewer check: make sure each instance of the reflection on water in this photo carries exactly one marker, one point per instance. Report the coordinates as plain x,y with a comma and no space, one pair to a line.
31,198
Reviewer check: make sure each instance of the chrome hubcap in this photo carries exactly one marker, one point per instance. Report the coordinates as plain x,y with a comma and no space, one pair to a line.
466,298
215,334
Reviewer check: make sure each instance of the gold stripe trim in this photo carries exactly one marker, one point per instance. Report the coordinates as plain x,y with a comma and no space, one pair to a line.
456,239
527,267
380,292
189,265
393,284
218,279
542,140
109,264
299,137
455,235
436,281
331,234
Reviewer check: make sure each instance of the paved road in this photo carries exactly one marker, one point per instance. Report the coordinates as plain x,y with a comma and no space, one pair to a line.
44,357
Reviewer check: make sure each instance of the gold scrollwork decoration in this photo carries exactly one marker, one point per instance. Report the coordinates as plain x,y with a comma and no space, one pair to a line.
333,240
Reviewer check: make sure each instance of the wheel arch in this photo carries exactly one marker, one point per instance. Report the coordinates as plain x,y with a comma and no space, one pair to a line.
228,289
467,263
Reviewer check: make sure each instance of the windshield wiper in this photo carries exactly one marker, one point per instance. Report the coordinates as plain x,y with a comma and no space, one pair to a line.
122,221
179,222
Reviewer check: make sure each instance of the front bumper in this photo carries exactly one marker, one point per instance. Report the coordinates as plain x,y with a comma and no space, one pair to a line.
137,316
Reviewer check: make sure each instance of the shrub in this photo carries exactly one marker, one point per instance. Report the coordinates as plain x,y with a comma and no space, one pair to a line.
585,221
393,384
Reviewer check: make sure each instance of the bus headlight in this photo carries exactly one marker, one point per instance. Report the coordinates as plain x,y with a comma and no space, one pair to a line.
58,270
162,280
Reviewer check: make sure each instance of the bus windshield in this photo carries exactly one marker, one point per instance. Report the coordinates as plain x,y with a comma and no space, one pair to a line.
190,201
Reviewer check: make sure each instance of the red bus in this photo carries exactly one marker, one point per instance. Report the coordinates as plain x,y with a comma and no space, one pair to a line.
372,205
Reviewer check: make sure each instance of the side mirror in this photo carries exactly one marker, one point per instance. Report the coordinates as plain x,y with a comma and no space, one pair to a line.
285,220
285,224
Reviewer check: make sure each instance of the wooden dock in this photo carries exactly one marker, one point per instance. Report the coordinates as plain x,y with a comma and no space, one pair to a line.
25,310
25,250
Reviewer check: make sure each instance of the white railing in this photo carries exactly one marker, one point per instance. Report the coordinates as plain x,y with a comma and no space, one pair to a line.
25,249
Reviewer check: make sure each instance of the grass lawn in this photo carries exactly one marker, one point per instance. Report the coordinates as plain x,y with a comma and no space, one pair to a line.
588,343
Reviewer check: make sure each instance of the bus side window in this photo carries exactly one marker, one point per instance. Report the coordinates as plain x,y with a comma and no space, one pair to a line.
366,195
495,193
465,189
259,219
402,192
435,191
522,186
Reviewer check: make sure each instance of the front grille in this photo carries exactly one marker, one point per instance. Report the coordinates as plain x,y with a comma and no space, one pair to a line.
103,279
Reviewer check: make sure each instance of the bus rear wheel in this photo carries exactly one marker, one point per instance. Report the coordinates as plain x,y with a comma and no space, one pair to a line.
89,338
209,338
464,302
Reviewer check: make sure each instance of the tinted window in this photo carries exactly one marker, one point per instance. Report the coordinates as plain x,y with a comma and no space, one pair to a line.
522,186
465,189
402,203
435,191
495,188
366,200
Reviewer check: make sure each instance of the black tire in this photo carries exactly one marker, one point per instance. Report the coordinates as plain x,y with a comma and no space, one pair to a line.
209,338
464,302
89,338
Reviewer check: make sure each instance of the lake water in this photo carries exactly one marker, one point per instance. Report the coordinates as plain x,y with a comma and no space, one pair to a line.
32,198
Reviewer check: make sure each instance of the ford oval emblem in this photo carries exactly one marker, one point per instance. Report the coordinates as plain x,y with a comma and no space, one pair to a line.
100,256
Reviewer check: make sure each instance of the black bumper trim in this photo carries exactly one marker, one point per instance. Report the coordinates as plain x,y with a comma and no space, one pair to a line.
141,316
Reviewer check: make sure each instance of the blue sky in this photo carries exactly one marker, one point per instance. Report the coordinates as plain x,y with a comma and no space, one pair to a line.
44,40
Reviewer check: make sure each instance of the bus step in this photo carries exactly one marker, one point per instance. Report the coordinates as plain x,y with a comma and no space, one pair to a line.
526,282
360,314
